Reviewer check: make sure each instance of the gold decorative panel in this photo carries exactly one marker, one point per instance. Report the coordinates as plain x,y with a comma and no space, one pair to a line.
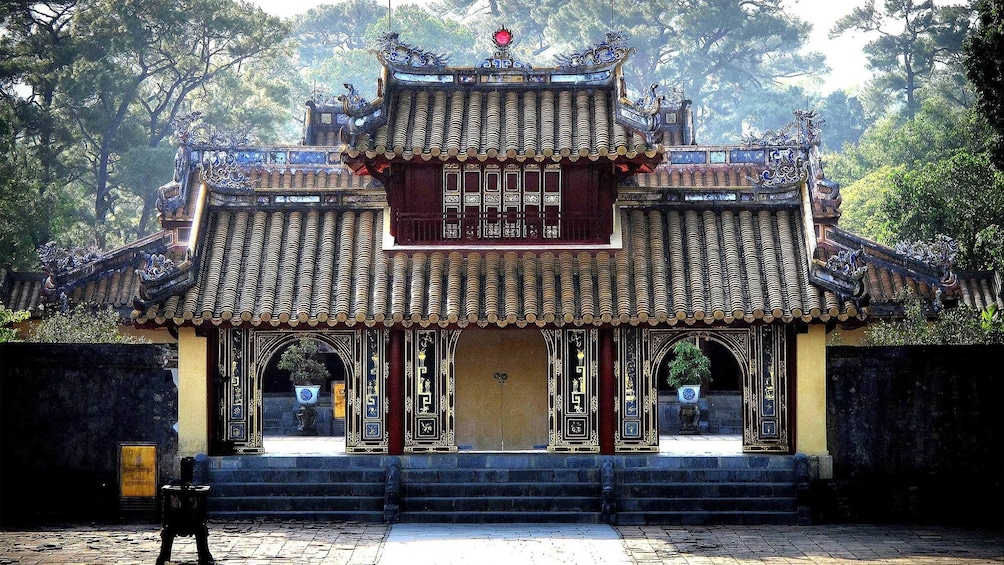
765,395
572,386
240,411
637,402
366,425
429,390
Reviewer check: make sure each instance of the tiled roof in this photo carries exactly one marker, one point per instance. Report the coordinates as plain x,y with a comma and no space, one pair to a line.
328,267
889,274
110,280
522,124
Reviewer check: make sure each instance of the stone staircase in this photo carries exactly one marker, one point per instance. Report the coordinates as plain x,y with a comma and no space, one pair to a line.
349,488
511,488
500,488
751,489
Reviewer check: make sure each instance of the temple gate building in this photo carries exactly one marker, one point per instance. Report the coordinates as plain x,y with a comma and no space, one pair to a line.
502,256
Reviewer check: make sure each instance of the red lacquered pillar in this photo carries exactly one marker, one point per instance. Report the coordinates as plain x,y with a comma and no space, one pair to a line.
608,392
395,394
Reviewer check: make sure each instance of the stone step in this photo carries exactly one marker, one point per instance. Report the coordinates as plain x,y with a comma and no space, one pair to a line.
409,489
498,488
706,518
655,476
298,476
502,517
273,504
296,489
307,516
706,504
505,504
718,489
499,475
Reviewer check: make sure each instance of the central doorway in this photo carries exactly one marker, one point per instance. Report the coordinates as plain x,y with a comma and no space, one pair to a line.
501,390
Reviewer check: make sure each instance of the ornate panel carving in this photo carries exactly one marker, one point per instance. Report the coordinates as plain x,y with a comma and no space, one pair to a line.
765,398
495,202
240,393
429,390
637,397
366,415
573,380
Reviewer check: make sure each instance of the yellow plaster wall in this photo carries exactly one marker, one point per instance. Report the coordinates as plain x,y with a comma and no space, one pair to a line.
810,387
853,337
193,430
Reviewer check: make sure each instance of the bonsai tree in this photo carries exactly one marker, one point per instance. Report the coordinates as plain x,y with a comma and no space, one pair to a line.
690,366
300,359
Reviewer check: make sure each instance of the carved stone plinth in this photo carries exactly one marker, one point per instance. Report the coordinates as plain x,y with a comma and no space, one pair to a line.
306,420
690,418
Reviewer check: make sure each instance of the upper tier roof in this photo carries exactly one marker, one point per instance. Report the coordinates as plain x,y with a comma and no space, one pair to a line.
501,109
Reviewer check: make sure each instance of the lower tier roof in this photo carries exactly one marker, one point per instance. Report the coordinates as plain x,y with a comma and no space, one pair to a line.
285,268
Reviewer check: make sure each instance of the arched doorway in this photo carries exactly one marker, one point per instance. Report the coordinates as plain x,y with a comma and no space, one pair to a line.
279,403
721,399
501,390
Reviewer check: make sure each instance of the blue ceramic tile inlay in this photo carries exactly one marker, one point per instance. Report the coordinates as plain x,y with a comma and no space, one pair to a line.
307,158
687,157
717,157
250,157
747,156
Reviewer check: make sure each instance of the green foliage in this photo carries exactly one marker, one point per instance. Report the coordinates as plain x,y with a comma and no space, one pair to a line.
136,65
82,324
962,196
328,30
864,206
938,130
8,318
845,120
983,68
724,54
300,359
913,39
955,326
689,366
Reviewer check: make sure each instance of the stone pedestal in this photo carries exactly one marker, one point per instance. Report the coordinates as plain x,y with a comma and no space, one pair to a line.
690,419
306,420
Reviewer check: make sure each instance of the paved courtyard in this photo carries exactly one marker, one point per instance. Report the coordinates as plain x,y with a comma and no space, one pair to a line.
261,543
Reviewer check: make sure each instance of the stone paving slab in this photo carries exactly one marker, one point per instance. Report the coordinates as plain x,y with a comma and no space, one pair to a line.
503,544
349,543
830,544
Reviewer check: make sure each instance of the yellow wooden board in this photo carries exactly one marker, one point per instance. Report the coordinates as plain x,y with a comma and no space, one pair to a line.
338,394
138,471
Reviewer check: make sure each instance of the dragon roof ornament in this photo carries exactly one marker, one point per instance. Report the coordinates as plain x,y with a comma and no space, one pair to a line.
786,167
611,50
939,254
221,171
394,52
189,131
803,131
849,263
158,266
353,103
56,259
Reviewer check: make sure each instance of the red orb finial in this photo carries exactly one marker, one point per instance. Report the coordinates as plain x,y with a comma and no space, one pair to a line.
502,37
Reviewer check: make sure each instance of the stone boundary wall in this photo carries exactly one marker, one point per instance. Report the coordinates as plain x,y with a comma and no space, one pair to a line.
916,434
64,408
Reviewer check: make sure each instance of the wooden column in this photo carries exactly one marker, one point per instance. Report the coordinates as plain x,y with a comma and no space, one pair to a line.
395,394
608,392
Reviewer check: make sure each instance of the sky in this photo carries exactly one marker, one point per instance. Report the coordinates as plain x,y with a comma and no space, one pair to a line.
843,55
